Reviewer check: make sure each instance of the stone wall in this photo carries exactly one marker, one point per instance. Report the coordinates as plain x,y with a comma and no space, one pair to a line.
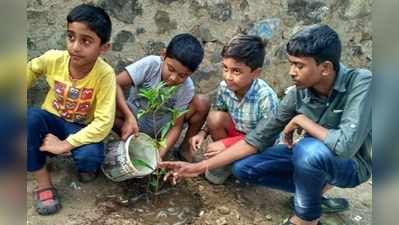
142,27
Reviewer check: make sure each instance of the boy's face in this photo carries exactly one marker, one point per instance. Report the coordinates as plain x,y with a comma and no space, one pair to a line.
238,76
304,71
83,44
173,72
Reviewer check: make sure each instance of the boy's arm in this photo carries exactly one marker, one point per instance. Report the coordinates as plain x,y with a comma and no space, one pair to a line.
124,81
172,136
355,122
237,151
35,68
268,129
104,115
130,123
302,122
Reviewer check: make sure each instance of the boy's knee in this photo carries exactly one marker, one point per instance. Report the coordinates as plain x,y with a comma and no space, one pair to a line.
240,170
201,103
310,152
217,119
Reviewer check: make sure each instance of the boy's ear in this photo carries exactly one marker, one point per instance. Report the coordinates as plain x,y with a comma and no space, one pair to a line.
327,68
105,47
256,73
162,53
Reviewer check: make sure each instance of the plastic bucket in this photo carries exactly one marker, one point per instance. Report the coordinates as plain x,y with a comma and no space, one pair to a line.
118,165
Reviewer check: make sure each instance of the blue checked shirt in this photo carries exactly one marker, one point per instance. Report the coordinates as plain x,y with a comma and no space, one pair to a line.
259,102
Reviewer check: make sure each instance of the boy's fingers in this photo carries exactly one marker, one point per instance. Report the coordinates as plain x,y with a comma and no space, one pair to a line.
210,154
167,175
172,176
168,165
66,154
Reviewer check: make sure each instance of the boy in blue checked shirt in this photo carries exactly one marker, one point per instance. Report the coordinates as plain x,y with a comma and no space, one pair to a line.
241,102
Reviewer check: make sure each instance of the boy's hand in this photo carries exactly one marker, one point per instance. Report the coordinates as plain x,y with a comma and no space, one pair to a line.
129,127
181,169
288,132
196,141
214,149
54,145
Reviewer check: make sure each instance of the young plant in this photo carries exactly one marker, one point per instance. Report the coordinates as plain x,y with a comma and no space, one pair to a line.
157,98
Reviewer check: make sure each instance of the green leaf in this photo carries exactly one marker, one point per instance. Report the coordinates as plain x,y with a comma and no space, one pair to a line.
162,143
176,113
141,113
180,113
162,172
139,162
165,130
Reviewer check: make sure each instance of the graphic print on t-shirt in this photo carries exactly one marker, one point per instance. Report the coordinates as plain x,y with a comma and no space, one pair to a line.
73,104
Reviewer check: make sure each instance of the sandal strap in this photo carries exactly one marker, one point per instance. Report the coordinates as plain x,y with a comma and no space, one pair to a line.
46,194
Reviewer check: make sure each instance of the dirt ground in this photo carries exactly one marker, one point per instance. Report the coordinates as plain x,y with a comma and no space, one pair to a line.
193,201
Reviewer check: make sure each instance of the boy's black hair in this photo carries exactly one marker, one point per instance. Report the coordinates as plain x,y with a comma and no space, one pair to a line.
186,49
95,18
317,41
248,49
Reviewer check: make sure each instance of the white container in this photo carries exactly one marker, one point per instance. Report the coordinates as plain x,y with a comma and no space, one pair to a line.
119,155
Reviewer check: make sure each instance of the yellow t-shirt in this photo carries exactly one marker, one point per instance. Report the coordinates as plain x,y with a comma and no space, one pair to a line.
90,100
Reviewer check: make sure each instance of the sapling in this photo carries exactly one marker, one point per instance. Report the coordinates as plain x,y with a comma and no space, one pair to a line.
157,98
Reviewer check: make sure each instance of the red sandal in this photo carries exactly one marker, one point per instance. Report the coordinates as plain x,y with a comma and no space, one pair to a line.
47,201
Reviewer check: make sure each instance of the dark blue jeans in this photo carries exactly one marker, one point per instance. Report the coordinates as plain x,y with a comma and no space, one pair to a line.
303,170
87,158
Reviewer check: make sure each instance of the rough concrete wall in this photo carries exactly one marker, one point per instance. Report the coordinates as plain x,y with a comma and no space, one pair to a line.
142,27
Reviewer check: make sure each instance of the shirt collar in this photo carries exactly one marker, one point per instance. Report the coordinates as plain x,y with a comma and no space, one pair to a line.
247,94
340,84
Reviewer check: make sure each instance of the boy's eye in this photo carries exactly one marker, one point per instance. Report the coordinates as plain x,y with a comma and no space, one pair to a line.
182,75
86,41
70,37
171,69
236,71
299,65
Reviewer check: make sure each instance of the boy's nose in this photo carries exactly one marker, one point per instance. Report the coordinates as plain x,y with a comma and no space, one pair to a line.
292,71
228,76
173,77
75,46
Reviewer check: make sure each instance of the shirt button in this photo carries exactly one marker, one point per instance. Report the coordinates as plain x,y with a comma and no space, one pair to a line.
327,104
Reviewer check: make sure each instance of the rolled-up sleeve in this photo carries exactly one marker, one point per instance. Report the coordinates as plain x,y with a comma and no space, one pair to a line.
355,123
268,129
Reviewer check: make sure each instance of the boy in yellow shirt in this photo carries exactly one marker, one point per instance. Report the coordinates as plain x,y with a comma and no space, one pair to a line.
79,108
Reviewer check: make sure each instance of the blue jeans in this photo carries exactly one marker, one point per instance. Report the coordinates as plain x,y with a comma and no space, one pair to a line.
87,158
303,170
